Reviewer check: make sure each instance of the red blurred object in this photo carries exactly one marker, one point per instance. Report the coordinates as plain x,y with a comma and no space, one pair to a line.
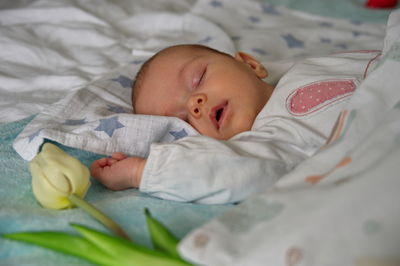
381,3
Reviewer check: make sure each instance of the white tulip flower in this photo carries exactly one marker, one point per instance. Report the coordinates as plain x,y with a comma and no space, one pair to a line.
61,181
57,175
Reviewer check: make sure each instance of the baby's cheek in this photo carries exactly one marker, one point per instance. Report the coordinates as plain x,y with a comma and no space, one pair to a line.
245,123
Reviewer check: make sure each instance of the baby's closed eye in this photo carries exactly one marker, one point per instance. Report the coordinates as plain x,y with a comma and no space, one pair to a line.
199,76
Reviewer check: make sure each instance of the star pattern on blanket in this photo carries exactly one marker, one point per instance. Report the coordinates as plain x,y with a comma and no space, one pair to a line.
235,38
270,9
325,40
124,81
205,40
179,134
326,24
254,19
34,135
292,42
355,22
75,122
117,109
216,3
109,125
137,62
259,51
341,46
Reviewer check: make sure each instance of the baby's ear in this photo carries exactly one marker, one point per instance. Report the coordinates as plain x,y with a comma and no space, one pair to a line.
253,63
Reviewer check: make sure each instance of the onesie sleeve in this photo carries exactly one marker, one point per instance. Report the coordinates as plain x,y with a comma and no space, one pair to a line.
208,171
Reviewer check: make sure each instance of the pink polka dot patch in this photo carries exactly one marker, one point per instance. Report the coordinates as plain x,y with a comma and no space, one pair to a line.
315,96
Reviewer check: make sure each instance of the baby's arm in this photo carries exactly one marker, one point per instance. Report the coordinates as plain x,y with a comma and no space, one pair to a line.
118,172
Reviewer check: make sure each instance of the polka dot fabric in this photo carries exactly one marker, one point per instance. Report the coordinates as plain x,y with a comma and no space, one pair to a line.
314,96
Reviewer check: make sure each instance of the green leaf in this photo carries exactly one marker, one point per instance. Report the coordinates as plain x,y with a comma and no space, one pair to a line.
64,243
125,252
161,237
98,247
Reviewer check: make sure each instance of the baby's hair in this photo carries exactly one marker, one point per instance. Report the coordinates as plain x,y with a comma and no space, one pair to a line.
138,81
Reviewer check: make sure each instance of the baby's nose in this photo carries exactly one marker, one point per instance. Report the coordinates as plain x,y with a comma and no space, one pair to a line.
196,103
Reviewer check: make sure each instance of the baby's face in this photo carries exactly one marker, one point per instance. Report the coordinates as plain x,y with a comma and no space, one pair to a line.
219,95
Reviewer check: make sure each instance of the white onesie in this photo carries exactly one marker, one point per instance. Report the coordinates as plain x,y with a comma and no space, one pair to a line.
293,125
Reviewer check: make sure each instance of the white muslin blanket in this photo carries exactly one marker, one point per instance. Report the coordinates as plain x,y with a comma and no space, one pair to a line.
99,118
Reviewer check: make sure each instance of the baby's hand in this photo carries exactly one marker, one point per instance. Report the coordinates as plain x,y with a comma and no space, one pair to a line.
119,172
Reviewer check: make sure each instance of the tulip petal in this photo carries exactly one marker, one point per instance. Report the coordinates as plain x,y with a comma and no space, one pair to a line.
55,175
47,195
76,173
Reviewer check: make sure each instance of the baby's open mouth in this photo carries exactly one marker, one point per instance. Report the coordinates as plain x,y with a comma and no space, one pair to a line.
217,114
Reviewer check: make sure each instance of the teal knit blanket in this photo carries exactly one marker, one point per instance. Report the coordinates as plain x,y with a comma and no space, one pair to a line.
19,210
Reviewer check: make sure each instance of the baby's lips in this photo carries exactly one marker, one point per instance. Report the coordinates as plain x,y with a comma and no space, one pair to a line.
214,113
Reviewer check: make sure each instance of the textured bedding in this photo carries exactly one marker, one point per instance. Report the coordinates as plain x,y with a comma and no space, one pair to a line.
96,117
45,55
65,73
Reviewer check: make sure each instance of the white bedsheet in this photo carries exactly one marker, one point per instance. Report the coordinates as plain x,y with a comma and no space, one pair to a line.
50,48
52,52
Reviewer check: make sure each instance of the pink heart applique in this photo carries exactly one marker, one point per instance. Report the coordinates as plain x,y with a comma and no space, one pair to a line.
314,96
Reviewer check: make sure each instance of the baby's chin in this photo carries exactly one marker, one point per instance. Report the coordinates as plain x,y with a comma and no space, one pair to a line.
236,126
243,125
218,136
227,135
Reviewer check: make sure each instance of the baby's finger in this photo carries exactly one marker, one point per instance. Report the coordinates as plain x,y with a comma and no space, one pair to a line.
96,167
103,162
100,162
118,156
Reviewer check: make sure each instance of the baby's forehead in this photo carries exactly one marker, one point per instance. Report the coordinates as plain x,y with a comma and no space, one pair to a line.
171,59
185,50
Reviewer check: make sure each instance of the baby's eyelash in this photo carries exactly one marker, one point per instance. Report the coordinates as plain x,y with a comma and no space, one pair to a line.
202,76
199,79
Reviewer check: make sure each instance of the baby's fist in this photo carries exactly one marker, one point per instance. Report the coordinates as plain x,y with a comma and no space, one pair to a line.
118,172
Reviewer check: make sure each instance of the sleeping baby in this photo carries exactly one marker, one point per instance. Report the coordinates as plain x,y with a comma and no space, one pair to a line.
251,133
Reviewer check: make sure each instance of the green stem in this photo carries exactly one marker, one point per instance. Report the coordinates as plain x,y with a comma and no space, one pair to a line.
99,215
